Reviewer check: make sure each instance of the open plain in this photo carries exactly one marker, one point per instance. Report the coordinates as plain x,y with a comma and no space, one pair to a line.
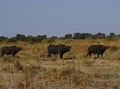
31,69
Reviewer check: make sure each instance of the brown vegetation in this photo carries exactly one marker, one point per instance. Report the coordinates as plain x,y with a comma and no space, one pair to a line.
31,69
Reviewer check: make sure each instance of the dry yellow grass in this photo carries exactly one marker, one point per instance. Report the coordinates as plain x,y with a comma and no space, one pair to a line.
31,69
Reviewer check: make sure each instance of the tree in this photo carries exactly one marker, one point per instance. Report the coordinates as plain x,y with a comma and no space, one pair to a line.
2,38
12,39
20,37
100,35
38,38
81,35
68,36
30,39
34,39
76,35
84,35
112,34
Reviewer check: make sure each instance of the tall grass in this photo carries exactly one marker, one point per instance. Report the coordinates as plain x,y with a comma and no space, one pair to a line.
31,69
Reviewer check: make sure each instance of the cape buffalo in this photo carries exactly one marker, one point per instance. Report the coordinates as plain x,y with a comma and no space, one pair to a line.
9,50
96,49
58,49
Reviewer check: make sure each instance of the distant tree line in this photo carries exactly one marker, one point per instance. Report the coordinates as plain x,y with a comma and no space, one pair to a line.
77,35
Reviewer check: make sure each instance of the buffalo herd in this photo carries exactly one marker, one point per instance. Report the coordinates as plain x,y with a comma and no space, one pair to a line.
60,49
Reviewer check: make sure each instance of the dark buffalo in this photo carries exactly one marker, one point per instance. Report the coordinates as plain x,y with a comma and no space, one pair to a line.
58,49
96,49
9,50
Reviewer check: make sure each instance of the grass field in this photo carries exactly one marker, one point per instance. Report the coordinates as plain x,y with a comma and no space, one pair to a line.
31,69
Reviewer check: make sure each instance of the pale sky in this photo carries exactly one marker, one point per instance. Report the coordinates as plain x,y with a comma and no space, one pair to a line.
59,17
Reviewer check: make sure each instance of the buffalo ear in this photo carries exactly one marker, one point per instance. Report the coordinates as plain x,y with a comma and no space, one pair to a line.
20,48
70,46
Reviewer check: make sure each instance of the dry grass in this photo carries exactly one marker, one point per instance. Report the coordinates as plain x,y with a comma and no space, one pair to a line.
31,69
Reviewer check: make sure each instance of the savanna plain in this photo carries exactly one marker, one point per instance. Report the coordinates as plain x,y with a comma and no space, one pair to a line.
31,69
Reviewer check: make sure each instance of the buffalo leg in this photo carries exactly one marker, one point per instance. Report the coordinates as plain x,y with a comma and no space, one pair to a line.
61,56
89,54
102,55
49,55
2,54
98,55
14,54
